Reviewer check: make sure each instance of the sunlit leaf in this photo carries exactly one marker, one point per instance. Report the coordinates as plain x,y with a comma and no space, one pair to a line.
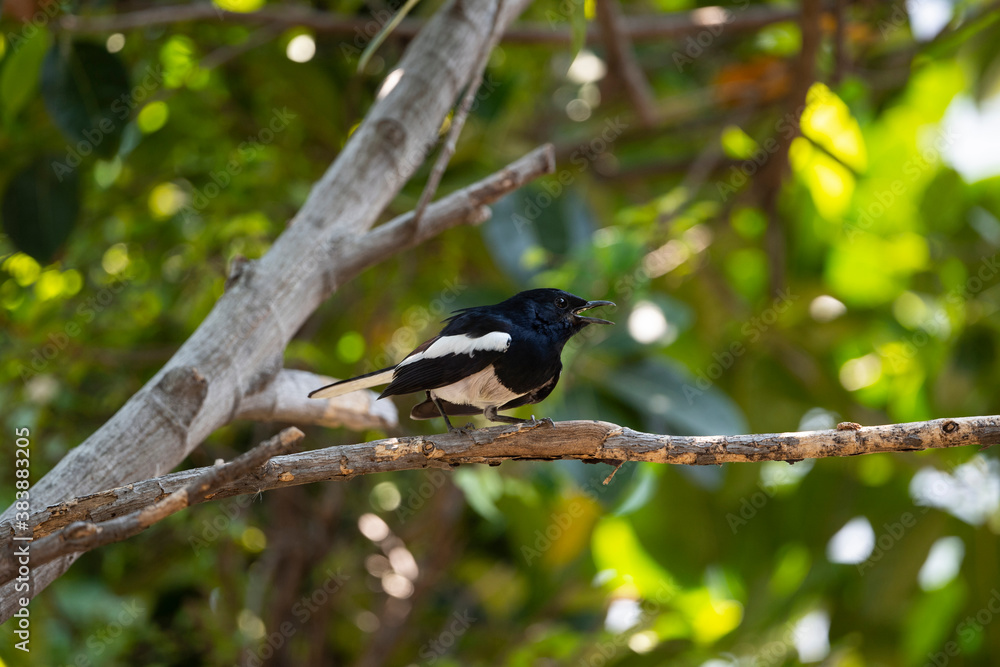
20,73
617,550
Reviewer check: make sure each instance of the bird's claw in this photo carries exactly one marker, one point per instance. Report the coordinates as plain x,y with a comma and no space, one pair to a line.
536,423
462,430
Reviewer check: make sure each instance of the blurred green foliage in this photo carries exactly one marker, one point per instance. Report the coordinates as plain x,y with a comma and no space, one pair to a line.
869,294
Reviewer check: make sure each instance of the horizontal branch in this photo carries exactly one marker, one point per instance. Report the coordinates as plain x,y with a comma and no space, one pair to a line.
82,536
590,441
636,28
285,399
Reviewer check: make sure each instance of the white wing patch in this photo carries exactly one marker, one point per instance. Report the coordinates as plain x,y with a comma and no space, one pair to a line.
495,341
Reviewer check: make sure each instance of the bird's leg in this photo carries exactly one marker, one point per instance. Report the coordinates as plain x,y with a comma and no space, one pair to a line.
491,414
447,422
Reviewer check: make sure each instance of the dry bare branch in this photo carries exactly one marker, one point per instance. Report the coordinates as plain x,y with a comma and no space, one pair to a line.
622,59
285,399
458,120
590,441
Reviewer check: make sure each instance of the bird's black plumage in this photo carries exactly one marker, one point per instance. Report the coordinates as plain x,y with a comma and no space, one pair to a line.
486,358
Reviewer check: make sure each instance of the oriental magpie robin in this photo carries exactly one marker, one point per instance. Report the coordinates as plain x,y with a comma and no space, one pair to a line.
487,358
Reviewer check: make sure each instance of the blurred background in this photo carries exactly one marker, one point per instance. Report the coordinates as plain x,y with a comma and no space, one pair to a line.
795,207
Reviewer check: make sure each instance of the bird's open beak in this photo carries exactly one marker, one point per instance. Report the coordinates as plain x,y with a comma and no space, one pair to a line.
588,306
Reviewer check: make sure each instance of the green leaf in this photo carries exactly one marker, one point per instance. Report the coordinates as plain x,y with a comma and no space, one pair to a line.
40,208
482,487
20,73
86,90
672,401
617,550
643,488
930,622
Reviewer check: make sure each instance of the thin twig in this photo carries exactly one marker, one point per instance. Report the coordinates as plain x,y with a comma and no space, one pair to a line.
841,59
622,58
458,121
771,176
465,206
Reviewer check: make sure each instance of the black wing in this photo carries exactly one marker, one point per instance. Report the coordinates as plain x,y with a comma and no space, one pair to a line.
536,396
440,371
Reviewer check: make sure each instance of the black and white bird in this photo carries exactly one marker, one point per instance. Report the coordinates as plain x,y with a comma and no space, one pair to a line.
486,359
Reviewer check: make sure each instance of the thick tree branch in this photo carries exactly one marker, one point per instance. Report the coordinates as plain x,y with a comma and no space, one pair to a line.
237,350
590,441
82,536
637,28
285,399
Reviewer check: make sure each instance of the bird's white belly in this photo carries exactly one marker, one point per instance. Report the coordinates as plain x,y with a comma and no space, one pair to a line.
482,389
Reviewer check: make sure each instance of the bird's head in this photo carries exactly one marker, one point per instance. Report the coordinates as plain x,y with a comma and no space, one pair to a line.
559,309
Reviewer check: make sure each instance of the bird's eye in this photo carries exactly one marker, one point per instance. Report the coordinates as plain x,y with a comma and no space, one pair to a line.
561,303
